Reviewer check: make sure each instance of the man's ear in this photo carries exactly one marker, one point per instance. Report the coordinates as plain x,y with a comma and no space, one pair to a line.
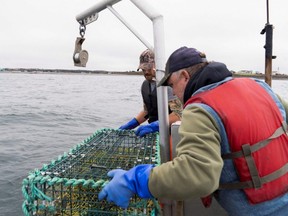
185,74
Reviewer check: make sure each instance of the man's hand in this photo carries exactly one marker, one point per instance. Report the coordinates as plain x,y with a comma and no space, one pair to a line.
125,184
146,129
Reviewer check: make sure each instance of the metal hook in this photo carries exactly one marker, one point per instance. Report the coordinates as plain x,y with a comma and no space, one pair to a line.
80,57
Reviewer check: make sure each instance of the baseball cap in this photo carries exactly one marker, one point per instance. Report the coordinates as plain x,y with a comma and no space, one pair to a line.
147,60
181,58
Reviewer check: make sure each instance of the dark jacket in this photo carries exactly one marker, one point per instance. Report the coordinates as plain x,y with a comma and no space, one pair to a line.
149,96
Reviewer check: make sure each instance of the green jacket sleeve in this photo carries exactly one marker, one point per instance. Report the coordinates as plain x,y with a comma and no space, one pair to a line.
196,170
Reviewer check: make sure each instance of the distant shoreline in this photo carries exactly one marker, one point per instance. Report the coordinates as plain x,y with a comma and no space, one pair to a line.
98,72
66,71
261,76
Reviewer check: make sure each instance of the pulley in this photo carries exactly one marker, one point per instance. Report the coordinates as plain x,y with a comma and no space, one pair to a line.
80,57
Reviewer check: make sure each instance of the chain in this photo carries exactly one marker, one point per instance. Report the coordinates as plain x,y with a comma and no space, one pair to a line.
82,29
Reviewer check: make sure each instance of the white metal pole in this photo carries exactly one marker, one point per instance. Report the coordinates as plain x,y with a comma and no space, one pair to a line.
159,49
162,99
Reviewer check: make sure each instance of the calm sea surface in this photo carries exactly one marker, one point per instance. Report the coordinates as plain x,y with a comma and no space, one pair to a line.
44,115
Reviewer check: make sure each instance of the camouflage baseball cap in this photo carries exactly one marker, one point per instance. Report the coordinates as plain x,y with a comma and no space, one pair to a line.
147,60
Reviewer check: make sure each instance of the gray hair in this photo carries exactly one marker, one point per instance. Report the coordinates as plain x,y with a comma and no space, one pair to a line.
192,69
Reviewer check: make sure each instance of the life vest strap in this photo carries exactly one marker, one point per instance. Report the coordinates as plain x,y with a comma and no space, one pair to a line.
249,184
281,130
247,150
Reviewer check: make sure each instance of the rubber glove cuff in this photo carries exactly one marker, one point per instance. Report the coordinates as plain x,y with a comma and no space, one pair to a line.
146,129
130,125
138,178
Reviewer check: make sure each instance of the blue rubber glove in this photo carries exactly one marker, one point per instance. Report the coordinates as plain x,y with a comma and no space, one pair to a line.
125,184
146,129
130,125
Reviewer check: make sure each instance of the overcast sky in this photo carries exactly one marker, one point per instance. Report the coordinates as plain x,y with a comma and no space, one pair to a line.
42,33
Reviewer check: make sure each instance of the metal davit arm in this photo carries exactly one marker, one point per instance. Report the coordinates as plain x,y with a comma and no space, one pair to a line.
162,98
91,15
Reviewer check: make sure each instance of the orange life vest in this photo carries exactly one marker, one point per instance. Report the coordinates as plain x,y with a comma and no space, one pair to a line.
257,137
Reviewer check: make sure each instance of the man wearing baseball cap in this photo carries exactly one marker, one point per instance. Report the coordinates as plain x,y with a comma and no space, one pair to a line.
149,96
233,143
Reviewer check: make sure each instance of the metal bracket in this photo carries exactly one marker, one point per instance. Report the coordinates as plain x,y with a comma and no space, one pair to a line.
89,19
80,57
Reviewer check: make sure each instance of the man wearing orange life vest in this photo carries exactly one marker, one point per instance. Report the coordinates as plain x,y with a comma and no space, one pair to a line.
233,145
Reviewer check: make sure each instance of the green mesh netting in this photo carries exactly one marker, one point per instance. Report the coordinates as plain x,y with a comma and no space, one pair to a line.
70,184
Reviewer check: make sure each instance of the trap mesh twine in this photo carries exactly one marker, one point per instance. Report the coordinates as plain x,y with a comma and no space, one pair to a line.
70,184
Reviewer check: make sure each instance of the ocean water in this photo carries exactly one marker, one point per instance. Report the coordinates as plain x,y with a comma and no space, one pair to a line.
44,115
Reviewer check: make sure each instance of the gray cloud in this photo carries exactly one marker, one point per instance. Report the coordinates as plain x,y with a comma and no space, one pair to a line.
42,34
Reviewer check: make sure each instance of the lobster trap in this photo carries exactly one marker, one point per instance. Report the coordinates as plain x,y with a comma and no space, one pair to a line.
70,184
